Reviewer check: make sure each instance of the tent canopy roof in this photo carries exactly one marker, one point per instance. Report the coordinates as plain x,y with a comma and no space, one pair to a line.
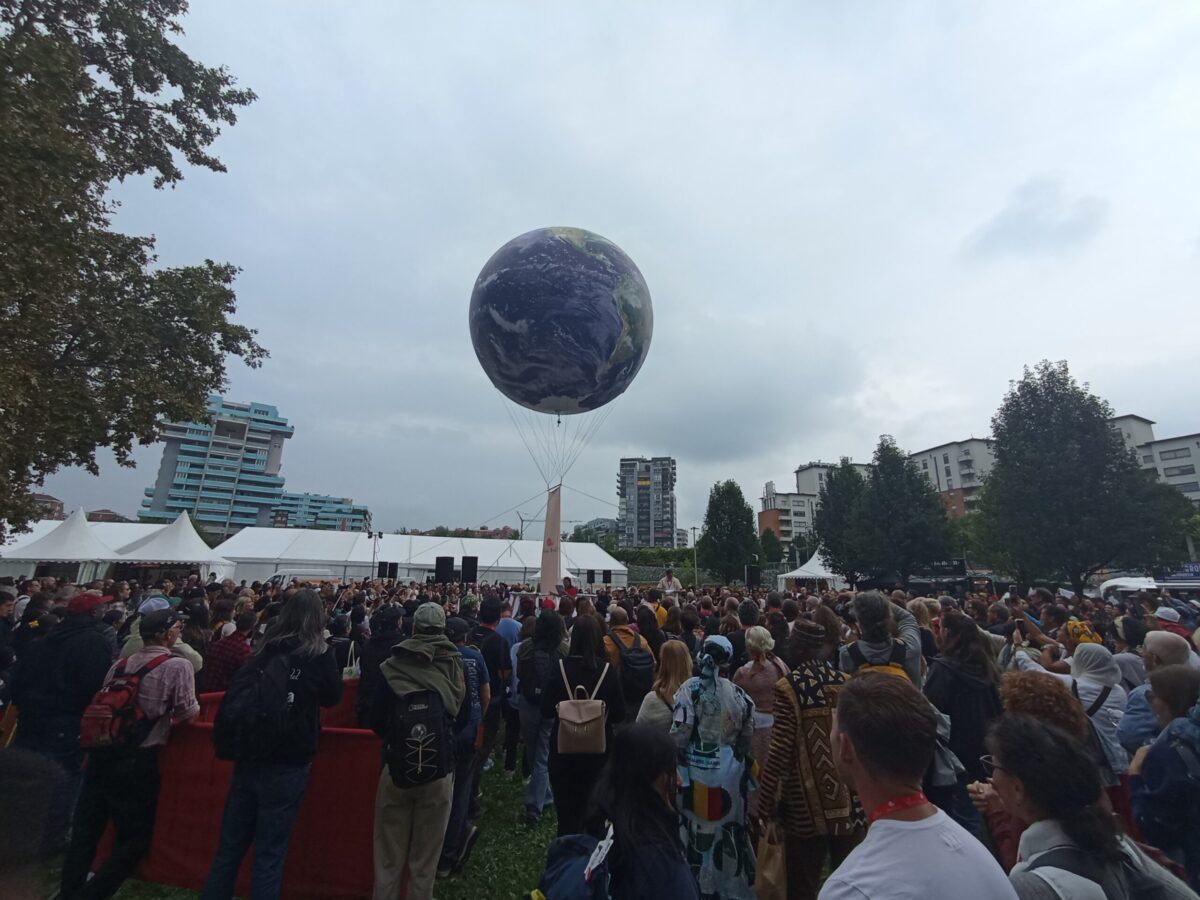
72,540
174,543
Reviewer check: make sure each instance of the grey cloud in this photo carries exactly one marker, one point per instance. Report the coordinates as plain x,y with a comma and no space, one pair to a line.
1039,219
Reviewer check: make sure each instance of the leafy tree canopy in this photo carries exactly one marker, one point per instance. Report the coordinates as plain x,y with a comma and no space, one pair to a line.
728,542
772,548
102,346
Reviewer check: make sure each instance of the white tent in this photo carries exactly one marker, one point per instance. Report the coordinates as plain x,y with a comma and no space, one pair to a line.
813,570
176,544
258,553
72,541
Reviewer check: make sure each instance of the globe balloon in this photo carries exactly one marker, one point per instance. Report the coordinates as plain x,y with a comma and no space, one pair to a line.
561,320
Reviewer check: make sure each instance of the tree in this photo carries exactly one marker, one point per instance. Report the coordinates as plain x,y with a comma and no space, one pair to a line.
901,522
1066,498
101,346
835,522
728,542
772,548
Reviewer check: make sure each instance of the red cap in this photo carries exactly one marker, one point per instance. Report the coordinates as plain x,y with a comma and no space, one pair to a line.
548,604
83,604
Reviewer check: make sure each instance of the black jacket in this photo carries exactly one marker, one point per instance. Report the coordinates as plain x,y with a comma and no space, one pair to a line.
556,691
374,653
971,701
320,684
59,674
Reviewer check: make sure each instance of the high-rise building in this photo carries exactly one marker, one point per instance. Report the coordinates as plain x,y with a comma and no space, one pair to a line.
646,502
681,537
956,470
304,510
225,472
1174,460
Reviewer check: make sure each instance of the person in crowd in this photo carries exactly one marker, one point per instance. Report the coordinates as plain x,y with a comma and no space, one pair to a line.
1169,619
637,794
673,627
1140,726
875,647
410,822
228,655
1071,847
385,634
339,640
536,667
495,649
712,727
28,783
461,835
121,784
920,611
674,668
963,682
154,602
801,789
883,740
572,775
33,622
1165,776
197,630
758,679
52,684
648,628
748,615
669,584
508,627
1128,635
691,632
266,790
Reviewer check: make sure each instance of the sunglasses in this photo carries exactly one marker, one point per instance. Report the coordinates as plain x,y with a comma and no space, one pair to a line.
989,765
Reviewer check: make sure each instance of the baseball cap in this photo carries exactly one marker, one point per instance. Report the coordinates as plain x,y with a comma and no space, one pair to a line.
83,604
153,604
157,622
1167,613
456,628
429,615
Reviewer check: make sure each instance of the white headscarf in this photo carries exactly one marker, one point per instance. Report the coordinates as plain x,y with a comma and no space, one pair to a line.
1095,663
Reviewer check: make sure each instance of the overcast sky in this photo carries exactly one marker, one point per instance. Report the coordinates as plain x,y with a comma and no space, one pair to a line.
854,219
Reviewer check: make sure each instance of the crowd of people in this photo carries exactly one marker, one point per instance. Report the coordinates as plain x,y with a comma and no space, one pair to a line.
1032,745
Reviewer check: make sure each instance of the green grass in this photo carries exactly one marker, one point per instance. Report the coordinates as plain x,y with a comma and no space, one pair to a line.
506,863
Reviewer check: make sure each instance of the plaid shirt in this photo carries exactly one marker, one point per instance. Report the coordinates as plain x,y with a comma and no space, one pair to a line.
224,658
166,693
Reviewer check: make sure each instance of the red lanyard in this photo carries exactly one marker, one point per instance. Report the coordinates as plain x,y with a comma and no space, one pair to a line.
897,804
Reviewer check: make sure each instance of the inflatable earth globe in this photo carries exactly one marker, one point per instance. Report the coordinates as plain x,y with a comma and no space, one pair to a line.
561,320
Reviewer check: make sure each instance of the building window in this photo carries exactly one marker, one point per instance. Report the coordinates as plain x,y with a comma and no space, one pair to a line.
945,457
947,473
1148,458
1188,487
925,464
1181,453
1172,471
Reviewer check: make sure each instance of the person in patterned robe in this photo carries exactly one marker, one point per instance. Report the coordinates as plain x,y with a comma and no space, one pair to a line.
800,791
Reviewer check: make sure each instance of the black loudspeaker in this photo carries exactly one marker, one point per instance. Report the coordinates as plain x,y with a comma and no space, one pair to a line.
393,570
382,573
443,569
752,576
607,576
470,569
591,576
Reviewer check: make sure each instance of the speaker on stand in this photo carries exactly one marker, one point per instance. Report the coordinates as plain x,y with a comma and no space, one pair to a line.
470,569
443,569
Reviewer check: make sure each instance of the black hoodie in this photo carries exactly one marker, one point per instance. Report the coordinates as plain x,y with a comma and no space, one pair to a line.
59,675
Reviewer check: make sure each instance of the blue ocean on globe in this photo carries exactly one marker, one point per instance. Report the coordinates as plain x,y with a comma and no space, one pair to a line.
561,320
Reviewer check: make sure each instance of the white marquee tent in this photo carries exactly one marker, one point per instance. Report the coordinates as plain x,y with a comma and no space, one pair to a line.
813,570
70,541
177,544
257,553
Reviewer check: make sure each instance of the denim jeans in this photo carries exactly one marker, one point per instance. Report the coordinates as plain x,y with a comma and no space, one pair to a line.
535,732
460,804
260,808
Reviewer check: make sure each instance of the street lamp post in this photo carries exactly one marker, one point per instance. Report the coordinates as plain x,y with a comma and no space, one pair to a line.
695,567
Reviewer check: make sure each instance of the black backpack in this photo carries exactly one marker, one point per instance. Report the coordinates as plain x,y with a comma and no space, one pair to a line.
420,745
258,713
637,668
533,672
1119,881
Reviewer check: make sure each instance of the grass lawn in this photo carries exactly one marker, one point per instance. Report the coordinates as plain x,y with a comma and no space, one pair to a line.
506,862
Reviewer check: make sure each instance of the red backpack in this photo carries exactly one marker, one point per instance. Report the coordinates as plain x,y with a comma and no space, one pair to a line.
113,720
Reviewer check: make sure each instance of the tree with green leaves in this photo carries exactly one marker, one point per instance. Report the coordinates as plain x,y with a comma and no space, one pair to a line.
728,542
901,522
1066,497
772,548
101,345
836,521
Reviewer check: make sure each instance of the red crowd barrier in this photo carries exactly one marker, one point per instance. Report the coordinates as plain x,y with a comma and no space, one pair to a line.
330,854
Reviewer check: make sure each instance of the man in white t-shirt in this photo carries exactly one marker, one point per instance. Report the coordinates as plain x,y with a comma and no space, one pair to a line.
883,737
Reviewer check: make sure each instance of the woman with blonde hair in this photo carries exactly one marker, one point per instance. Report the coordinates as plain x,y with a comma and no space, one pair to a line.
758,679
674,668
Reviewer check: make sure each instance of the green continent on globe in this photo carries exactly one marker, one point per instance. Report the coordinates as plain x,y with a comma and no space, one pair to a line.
561,320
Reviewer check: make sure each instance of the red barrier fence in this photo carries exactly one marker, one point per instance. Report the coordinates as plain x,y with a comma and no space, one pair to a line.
330,853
